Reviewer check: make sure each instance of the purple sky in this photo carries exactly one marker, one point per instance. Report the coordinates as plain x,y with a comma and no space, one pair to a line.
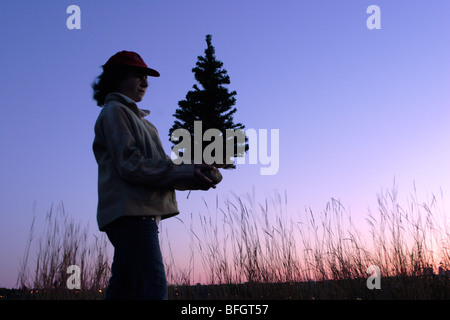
354,107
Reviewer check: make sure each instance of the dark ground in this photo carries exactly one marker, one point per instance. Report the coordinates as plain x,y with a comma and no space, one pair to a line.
392,288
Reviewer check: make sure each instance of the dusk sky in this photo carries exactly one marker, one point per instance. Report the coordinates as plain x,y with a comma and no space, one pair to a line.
355,108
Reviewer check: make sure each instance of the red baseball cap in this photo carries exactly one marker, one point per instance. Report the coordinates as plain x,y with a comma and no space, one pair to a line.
132,59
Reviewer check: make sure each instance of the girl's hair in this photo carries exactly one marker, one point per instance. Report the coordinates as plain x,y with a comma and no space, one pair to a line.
108,81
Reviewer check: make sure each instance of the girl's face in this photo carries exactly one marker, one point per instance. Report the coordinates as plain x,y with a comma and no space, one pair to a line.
134,86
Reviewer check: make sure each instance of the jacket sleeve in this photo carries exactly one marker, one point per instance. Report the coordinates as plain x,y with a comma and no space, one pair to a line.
131,164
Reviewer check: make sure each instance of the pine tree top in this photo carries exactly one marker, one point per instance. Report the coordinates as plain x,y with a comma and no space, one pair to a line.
208,70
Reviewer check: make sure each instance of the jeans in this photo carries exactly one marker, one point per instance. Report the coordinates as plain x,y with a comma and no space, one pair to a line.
137,268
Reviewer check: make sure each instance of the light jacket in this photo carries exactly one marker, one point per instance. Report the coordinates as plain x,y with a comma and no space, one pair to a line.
135,176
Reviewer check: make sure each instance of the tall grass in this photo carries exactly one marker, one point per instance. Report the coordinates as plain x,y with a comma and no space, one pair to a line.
249,243
262,250
64,243
412,240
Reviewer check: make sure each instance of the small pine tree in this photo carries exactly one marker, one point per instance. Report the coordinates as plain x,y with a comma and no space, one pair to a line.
212,104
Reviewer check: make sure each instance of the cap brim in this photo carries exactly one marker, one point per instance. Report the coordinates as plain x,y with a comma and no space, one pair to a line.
151,72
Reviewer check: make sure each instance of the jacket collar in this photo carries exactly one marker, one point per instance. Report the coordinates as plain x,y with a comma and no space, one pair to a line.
117,96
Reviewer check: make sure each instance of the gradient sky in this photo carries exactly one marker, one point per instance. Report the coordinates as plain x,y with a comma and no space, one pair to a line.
355,108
